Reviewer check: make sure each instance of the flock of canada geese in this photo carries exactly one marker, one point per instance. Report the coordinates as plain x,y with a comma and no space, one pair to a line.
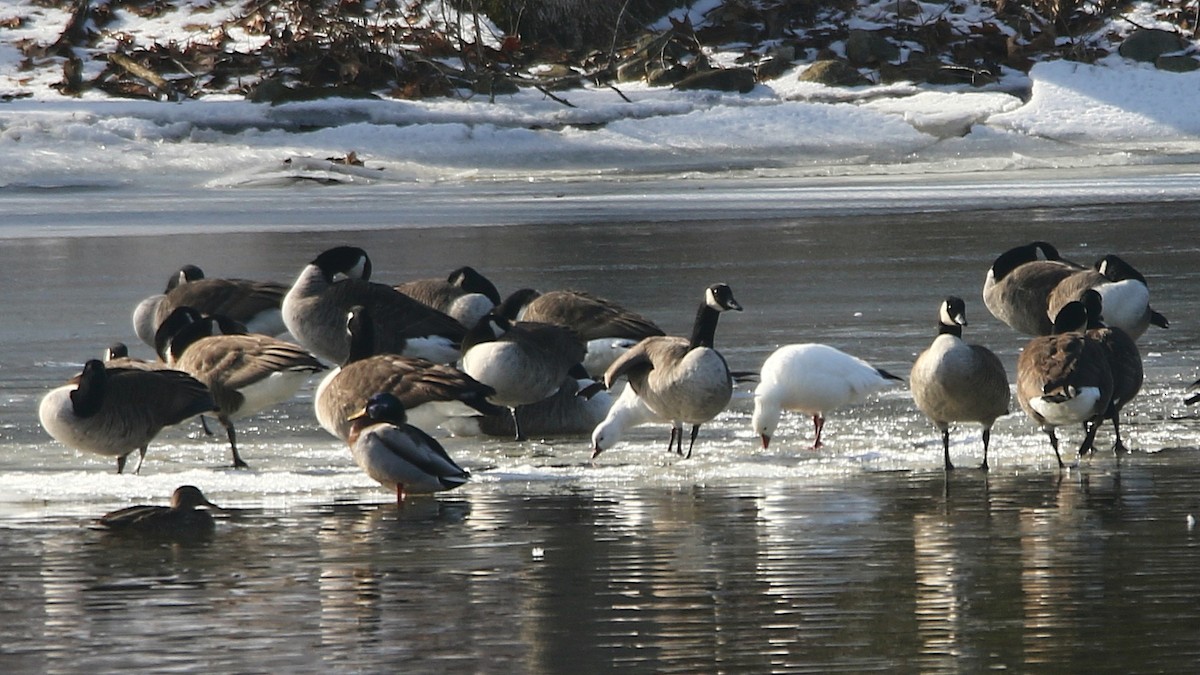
452,353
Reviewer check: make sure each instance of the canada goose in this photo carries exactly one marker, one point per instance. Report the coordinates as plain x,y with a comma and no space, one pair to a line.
1124,361
113,412
254,304
466,295
430,392
315,308
953,381
116,355
398,455
608,328
682,379
181,518
566,412
1018,286
1064,378
814,379
626,412
1124,294
247,373
524,361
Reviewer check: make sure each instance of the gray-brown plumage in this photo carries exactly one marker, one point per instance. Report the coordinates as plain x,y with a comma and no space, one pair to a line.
1065,378
953,381
255,304
1124,360
1019,283
246,373
680,379
1124,291
430,392
114,411
315,309
181,519
465,294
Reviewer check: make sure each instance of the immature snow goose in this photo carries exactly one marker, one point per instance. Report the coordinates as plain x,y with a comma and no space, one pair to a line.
398,455
466,295
1124,360
182,518
682,379
953,381
247,373
608,328
814,379
1123,290
524,361
1064,378
1018,286
112,412
431,393
315,308
254,304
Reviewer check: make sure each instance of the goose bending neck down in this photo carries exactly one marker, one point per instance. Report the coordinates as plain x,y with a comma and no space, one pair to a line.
682,379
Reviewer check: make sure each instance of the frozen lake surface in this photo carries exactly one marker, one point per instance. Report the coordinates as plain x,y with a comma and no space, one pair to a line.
861,556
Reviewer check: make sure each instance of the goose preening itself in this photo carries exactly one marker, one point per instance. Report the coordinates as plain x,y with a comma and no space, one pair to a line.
682,379
315,309
1065,378
182,518
255,304
1019,283
246,373
814,379
607,328
524,361
466,295
953,381
398,455
431,393
1124,361
626,412
114,411
1124,293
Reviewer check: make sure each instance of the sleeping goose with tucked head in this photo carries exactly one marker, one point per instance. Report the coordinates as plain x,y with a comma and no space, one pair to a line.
1065,378
431,393
814,379
255,304
608,328
1123,291
1018,286
315,309
247,373
398,455
466,295
114,411
679,378
524,361
953,381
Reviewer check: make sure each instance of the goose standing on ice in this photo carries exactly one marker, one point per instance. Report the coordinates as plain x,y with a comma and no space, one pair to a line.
1124,295
524,361
1019,283
315,309
953,381
255,304
1124,361
608,328
247,373
814,379
626,412
678,378
1064,378
466,295
114,411
431,393
398,455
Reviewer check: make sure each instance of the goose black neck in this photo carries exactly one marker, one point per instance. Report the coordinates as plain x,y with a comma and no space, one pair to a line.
362,338
705,329
949,329
89,395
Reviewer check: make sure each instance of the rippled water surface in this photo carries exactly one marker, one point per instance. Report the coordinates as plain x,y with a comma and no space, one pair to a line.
860,557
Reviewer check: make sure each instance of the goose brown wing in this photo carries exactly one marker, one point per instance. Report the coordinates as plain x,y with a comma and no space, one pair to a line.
239,299
589,315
